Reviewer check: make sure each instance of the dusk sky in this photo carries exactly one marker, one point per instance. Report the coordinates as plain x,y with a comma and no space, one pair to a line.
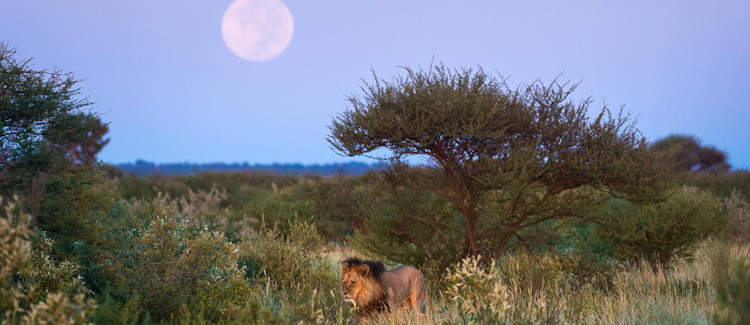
162,75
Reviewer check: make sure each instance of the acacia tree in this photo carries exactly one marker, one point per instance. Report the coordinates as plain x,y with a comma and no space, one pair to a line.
690,155
504,159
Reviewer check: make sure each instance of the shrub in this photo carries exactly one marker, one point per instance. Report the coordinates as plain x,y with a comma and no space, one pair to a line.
509,291
661,232
60,309
478,292
290,260
169,269
739,217
300,285
75,207
47,275
33,288
731,278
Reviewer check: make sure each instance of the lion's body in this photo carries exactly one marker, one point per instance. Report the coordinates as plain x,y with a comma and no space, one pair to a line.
371,288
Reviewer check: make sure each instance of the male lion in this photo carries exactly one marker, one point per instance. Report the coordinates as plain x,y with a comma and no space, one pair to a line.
370,288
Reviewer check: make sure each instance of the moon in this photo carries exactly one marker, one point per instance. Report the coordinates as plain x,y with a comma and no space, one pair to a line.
257,30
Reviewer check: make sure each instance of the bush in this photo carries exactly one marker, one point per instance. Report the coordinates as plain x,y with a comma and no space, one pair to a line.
169,270
661,232
34,289
289,260
731,278
300,283
513,291
739,217
47,275
479,293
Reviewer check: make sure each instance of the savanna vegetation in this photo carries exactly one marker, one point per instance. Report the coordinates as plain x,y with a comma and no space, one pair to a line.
520,205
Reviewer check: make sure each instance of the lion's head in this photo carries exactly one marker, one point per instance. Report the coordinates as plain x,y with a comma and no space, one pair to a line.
361,283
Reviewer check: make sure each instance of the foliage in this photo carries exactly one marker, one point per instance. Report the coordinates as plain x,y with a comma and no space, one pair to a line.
478,292
518,289
738,209
76,204
34,289
720,184
731,278
43,127
288,260
394,231
168,268
60,309
661,232
690,155
503,159
333,204
47,275
300,284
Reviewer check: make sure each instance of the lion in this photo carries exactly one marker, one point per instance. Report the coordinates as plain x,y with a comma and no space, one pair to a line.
370,288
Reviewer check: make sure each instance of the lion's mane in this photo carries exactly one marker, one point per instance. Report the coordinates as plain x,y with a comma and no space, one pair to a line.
372,297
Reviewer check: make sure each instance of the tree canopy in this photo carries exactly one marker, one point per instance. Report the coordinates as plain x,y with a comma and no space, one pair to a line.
506,159
44,123
690,155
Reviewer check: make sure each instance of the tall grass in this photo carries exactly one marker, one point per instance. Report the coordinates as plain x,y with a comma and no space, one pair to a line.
684,293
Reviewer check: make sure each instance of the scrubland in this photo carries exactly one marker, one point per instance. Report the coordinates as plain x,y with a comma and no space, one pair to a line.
264,249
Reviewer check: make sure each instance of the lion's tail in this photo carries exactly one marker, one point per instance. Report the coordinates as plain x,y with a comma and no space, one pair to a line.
429,304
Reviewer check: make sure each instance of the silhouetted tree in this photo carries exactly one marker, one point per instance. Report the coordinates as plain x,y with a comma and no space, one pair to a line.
503,159
690,155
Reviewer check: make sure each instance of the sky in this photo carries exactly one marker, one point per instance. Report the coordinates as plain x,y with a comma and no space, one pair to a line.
160,73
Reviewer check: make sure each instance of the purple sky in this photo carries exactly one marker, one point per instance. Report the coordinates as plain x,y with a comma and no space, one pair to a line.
160,73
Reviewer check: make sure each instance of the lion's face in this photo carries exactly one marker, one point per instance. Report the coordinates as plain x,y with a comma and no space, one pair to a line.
352,283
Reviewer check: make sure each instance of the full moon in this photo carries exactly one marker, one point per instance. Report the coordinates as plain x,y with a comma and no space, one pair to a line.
257,30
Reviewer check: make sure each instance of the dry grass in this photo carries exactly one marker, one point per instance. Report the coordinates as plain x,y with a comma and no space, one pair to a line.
682,294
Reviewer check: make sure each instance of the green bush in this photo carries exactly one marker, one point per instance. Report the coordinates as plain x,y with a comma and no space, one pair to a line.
720,184
332,203
731,279
739,217
300,284
47,275
169,269
661,232
478,292
289,260
34,289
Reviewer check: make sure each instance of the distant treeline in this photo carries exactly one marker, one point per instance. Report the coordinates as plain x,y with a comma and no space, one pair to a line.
145,168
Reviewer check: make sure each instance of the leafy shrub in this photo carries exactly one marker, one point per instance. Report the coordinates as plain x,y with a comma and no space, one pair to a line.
33,288
661,232
47,275
60,309
290,260
720,184
169,268
478,292
739,217
299,282
731,279
509,291
75,207
15,252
